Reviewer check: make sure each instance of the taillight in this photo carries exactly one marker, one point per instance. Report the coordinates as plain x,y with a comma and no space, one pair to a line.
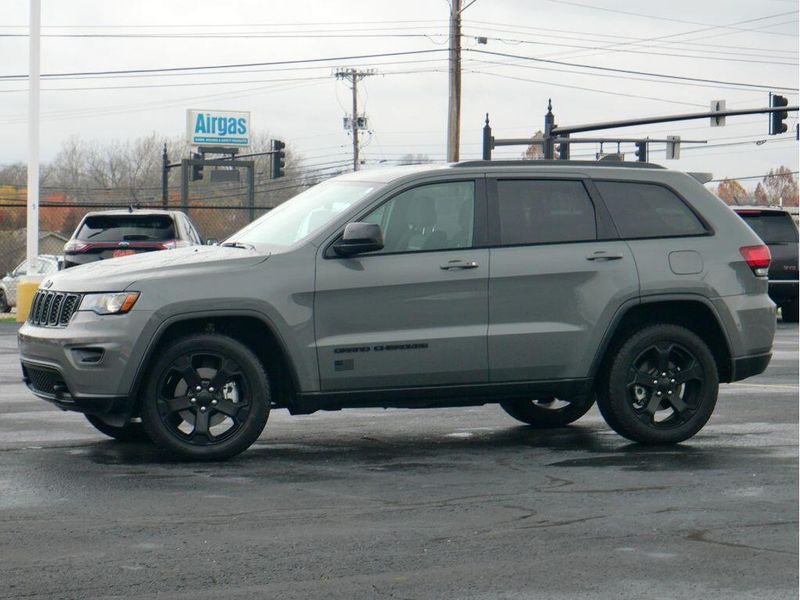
757,258
75,246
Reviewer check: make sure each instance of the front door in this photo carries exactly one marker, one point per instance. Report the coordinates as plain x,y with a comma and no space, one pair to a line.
415,313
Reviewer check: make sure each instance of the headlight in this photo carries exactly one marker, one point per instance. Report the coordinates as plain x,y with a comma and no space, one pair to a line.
110,303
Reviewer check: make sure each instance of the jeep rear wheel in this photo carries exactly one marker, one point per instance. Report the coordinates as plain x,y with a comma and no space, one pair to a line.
548,412
662,386
207,398
130,432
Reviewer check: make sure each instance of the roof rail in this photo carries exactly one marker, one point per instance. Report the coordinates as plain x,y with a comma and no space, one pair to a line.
556,163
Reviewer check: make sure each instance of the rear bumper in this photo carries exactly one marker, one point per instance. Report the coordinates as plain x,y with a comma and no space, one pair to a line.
747,366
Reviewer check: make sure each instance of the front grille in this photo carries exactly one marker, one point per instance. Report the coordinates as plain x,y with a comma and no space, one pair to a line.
53,309
44,381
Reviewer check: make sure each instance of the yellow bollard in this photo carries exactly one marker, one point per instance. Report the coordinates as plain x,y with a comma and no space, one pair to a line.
25,292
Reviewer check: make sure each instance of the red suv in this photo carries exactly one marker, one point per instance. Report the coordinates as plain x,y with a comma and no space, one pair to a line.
113,233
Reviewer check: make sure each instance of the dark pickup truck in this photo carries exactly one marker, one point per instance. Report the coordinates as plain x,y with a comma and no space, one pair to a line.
778,230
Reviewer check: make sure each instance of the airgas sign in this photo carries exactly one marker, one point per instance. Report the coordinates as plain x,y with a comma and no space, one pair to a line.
218,128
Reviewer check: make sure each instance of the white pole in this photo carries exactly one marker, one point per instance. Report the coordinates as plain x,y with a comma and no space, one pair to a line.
33,131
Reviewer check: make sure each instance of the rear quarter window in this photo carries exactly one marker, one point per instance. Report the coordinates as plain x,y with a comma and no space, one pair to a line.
644,210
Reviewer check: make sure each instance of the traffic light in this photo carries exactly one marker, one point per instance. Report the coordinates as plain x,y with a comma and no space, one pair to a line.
641,151
278,158
197,170
777,119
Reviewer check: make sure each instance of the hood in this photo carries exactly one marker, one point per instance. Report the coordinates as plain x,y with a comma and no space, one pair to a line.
120,273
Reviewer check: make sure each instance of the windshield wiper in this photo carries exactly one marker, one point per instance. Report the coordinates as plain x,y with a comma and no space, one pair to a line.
239,245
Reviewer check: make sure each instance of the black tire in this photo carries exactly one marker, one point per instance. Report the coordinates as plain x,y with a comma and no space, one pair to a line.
548,412
789,311
661,386
4,305
207,398
130,432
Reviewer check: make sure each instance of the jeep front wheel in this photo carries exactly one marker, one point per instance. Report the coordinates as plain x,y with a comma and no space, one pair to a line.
661,387
207,398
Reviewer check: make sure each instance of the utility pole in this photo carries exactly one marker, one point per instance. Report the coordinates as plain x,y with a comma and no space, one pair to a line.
454,106
356,123
32,223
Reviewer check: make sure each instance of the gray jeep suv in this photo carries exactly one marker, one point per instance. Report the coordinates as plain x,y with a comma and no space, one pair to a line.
542,286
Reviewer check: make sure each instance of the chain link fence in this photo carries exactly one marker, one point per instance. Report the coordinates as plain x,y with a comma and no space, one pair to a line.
59,216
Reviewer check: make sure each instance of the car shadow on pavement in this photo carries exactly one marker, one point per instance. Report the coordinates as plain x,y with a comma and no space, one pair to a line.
571,446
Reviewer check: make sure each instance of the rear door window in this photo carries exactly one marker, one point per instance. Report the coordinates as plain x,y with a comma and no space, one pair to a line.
643,210
772,227
537,211
127,228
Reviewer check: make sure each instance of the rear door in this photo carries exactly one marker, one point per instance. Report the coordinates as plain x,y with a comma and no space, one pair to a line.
415,313
558,275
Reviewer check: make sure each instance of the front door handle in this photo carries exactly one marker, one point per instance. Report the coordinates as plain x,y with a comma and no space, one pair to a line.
457,265
603,256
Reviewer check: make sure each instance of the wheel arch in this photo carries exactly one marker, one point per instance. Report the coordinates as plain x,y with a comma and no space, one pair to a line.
254,331
696,313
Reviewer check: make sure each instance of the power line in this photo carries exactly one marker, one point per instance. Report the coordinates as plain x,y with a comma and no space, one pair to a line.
765,176
673,20
631,72
626,40
216,25
228,66
587,89
251,35
644,52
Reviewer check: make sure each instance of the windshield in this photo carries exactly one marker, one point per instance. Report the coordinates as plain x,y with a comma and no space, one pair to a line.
772,227
304,214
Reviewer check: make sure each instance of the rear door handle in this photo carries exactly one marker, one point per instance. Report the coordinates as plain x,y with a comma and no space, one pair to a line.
457,265
602,256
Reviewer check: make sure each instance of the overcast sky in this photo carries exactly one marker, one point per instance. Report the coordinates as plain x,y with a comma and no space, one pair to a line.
736,42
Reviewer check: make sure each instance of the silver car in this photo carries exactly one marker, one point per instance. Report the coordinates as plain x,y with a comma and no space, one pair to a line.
43,265
542,286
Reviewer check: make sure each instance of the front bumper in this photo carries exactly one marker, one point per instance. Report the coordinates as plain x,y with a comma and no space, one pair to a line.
48,384
87,366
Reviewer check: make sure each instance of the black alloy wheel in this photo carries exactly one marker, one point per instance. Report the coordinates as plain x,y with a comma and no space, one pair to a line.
130,432
662,386
207,398
548,412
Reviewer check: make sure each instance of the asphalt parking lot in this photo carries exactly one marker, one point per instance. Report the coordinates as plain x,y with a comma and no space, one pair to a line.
456,503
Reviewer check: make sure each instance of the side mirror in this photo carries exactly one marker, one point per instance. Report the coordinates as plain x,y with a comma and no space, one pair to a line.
212,242
359,238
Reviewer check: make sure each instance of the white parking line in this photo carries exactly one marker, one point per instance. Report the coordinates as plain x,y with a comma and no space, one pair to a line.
773,386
